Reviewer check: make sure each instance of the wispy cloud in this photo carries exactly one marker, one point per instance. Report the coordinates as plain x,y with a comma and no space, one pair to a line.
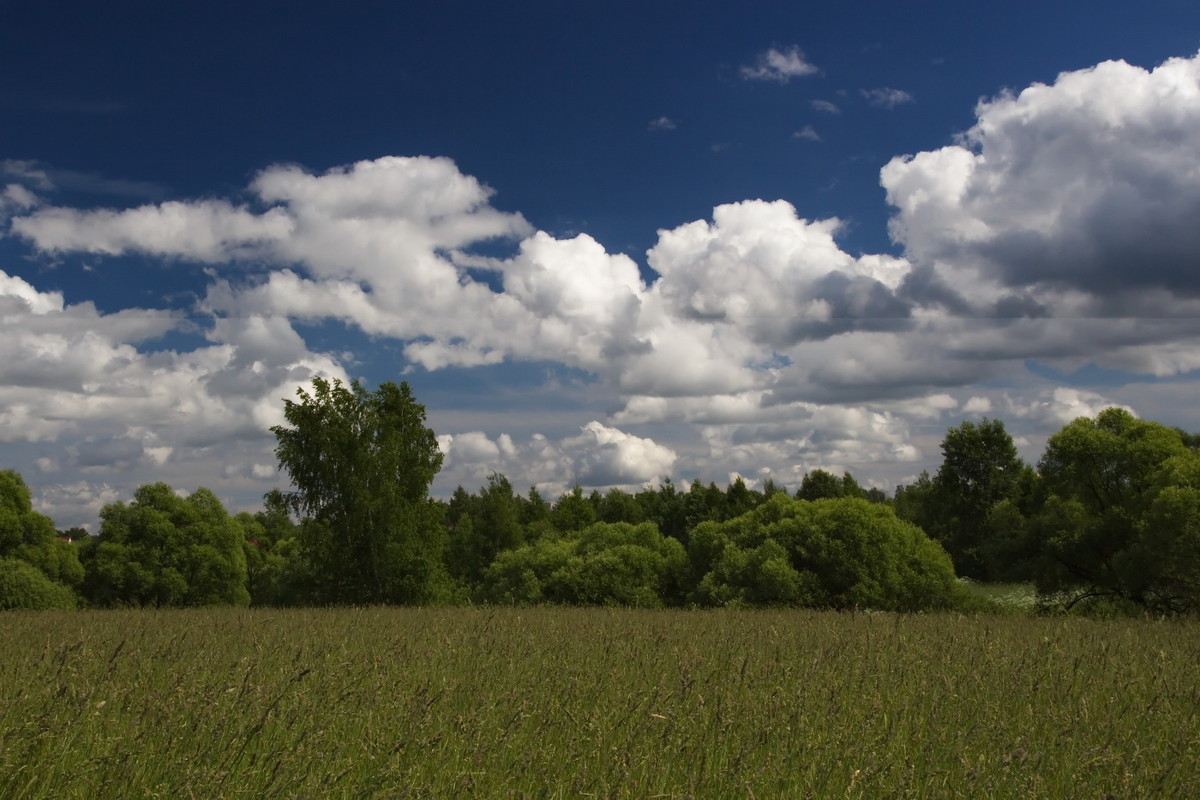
663,123
887,97
779,65
825,107
807,132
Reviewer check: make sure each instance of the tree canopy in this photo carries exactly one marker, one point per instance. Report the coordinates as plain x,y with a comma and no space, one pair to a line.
1122,516
361,463
165,550
830,553
40,570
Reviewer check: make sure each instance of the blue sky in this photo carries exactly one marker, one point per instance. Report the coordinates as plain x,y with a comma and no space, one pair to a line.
604,242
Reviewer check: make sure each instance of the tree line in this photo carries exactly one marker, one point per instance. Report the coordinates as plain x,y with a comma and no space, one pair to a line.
1109,517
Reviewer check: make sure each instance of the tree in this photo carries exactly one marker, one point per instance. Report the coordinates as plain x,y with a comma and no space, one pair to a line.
165,550
619,506
820,484
1122,518
980,468
30,537
275,574
603,564
361,464
485,526
24,586
838,553
572,512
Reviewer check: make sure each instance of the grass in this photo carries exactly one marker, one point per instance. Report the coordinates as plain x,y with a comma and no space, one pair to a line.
567,703
1004,598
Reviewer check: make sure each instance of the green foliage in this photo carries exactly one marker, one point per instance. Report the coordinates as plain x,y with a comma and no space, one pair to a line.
1121,520
165,550
572,512
483,527
980,470
604,564
361,463
819,485
275,573
834,553
619,506
28,536
24,586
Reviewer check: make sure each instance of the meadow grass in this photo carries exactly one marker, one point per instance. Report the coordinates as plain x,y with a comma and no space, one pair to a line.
567,703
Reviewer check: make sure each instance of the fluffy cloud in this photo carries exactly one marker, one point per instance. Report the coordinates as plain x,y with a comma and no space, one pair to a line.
1060,228
777,278
1068,212
599,456
779,65
1092,184
208,231
82,387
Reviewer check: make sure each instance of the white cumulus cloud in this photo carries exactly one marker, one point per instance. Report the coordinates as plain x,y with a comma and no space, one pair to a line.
779,65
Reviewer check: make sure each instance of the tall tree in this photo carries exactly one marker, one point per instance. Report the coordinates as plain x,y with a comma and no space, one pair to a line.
488,525
1122,520
361,464
980,468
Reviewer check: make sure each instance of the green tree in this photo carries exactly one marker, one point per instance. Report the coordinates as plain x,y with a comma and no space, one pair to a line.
165,550
664,506
573,511
980,469
24,586
361,464
604,564
1120,521
30,537
819,484
619,506
832,553
275,573
486,525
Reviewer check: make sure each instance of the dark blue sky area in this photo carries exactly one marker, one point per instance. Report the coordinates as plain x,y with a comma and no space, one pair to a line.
549,103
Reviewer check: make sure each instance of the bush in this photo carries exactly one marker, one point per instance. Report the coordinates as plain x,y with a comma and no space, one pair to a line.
840,553
23,585
604,564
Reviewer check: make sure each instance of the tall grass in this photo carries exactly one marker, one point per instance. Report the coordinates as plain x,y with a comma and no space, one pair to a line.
565,703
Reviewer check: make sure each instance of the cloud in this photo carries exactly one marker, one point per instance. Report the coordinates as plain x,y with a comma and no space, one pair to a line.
599,456
807,132
1059,229
1059,406
206,231
825,107
1075,200
76,503
779,65
662,124
887,97
774,278
77,386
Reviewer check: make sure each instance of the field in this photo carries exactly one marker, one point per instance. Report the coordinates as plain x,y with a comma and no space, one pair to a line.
566,703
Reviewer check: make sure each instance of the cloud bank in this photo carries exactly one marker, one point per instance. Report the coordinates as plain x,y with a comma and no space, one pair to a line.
1059,229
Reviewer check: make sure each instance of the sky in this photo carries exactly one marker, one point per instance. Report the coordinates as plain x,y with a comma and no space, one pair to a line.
605,243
